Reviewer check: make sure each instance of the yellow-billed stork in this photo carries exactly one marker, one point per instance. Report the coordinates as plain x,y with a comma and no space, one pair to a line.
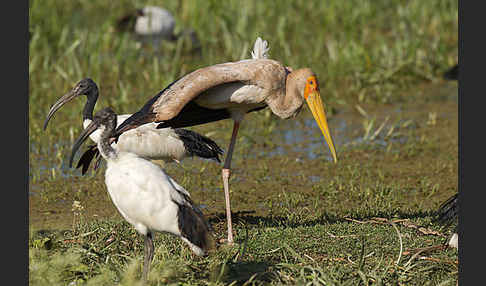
230,90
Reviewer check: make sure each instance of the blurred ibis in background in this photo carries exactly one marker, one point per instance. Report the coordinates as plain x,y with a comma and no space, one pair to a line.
154,25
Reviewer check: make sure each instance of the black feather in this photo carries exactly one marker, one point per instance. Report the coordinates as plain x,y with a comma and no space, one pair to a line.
193,226
87,157
199,145
449,209
98,161
127,22
452,73
193,114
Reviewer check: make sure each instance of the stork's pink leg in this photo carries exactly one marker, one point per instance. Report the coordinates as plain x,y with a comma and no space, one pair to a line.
226,172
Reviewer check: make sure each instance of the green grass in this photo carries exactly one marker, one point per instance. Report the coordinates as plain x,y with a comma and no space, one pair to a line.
326,251
299,218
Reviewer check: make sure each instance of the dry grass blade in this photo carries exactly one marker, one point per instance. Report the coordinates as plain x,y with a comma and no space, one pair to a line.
400,240
379,128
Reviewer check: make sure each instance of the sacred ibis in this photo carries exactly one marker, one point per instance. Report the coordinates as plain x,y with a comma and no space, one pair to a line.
154,24
230,90
144,194
448,211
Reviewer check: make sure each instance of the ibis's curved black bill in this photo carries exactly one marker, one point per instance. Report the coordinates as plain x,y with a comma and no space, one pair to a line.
63,100
84,135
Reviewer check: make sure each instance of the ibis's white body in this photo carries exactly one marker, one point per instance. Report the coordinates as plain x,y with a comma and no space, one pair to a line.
156,21
146,141
145,195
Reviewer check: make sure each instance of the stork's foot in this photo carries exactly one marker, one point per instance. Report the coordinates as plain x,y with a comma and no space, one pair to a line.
224,241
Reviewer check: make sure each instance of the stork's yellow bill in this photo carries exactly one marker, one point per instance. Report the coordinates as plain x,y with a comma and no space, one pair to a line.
314,101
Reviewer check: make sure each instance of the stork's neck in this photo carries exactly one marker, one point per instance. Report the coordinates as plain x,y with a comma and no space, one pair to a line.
288,104
89,106
104,146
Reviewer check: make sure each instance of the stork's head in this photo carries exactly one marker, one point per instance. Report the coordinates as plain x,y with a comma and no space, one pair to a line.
305,83
84,87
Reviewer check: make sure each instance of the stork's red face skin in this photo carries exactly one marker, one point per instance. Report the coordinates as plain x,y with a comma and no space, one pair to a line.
310,86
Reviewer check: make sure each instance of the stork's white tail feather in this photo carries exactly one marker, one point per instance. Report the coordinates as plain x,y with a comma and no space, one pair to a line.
260,49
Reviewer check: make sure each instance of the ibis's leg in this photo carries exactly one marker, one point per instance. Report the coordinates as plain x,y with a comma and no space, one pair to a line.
226,172
148,255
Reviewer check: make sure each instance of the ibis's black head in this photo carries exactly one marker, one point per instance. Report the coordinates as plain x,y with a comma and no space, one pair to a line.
104,119
127,22
84,87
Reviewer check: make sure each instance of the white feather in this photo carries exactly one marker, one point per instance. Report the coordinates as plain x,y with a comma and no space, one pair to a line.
151,143
260,49
454,241
146,141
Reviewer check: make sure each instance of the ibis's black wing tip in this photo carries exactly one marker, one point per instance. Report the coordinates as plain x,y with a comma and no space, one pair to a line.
199,145
452,73
86,158
98,162
449,209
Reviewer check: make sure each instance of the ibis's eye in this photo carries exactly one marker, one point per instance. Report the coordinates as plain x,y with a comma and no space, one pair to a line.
311,82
